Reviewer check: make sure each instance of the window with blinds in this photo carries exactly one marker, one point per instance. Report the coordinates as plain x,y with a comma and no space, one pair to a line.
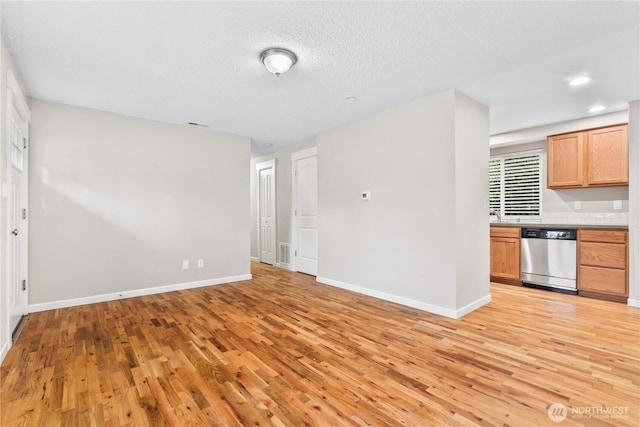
515,185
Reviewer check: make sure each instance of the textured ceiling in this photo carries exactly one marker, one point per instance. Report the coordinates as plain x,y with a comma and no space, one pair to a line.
199,62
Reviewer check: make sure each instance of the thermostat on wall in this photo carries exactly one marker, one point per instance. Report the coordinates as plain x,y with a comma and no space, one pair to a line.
366,195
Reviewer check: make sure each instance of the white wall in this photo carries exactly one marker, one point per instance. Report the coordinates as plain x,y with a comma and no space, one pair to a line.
558,206
117,203
471,189
427,179
6,64
634,203
283,194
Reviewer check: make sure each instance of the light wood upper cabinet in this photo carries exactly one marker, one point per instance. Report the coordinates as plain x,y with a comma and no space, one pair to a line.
608,156
565,160
591,158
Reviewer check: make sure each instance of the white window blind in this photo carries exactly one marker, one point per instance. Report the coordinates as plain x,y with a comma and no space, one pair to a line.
515,185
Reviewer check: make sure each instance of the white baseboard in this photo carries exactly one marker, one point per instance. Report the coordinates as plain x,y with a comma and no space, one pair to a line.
431,308
134,293
285,266
6,346
633,302
461,312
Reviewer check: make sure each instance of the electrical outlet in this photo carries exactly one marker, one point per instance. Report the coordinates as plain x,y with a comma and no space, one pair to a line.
366,195
617,205
200,263
185,264
577,205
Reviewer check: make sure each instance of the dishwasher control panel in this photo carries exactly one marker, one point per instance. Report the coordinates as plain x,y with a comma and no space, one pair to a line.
549,233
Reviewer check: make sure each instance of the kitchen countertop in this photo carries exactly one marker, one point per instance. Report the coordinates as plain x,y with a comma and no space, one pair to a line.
539,225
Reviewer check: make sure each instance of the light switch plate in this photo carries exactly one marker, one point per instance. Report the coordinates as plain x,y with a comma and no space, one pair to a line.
577,205
185,264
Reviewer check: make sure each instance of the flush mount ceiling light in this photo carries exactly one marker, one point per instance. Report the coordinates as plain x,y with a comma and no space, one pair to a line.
596,108
579,81
278,60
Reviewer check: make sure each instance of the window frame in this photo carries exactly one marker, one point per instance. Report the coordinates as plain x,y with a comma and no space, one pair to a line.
502,202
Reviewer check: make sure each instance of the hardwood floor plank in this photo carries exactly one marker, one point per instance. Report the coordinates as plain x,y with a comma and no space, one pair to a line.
284,350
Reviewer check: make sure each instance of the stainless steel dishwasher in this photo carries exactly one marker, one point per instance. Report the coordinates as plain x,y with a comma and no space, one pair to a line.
548,258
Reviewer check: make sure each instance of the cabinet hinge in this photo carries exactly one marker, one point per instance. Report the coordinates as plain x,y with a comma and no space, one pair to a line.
24,142
24,214
24,285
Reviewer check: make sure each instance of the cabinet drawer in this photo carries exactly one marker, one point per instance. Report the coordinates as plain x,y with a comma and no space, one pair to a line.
604,236
603,280
513,232
609,255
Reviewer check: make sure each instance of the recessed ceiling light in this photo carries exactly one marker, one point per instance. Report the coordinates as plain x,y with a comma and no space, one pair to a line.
579,81
596,108
352,98
268,144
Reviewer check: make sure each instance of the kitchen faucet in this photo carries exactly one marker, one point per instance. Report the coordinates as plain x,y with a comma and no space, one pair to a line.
497,214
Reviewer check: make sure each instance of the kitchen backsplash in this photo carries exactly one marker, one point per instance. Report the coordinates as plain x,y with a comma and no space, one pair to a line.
587,218
576,218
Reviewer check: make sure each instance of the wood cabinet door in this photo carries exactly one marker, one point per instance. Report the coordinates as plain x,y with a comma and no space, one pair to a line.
608,156
565,160
505,258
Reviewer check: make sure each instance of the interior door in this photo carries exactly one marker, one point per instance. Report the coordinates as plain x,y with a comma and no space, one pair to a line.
306,212
267,208
17,240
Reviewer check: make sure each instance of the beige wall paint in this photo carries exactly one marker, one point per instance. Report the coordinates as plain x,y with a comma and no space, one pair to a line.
117,203
408,242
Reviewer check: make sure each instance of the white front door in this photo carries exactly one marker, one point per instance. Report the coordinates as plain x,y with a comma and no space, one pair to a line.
17,240
266,212
305,213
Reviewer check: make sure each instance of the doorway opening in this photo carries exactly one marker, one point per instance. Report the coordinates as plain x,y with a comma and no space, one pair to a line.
266,241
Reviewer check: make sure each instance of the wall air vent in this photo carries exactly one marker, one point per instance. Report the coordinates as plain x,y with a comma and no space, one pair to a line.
285,253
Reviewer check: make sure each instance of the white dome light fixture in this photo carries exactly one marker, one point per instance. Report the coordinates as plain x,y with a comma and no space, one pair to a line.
579,81
278,60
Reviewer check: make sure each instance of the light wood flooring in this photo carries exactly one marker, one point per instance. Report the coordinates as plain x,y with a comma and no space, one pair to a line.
283,350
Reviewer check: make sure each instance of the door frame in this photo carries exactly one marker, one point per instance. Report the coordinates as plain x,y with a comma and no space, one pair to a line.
298,155
269,164
15,99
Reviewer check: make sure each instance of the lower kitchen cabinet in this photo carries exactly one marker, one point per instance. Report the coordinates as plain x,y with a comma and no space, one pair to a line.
505,254
603,263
